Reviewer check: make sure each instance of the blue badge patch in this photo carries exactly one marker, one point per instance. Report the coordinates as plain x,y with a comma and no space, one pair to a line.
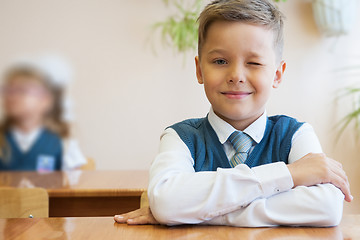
45,163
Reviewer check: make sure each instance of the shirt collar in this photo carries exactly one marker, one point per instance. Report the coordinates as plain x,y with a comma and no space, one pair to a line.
223,129
26,140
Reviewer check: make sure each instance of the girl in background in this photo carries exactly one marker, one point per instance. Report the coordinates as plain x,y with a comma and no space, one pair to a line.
34,135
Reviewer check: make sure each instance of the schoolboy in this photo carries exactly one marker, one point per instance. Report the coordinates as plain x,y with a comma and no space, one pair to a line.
237,166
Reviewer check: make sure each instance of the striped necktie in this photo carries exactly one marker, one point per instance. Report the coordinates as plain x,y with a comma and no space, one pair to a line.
242,144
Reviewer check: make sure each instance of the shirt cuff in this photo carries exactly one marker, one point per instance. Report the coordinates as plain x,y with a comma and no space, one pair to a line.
274,178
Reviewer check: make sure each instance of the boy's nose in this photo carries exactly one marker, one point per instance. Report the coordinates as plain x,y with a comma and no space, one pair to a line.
236,75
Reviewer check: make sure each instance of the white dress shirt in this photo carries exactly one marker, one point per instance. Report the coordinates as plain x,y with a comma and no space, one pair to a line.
72,155
240,196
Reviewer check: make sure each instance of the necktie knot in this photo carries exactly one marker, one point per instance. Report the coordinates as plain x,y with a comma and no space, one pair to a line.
242,144
240,141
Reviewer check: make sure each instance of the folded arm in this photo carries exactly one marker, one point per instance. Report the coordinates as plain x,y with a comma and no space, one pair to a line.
178,194
316,206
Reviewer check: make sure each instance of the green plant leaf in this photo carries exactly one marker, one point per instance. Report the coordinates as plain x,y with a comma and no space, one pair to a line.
354,115
179,30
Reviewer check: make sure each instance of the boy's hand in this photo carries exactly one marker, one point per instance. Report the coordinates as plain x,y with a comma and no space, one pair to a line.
315,169
140,216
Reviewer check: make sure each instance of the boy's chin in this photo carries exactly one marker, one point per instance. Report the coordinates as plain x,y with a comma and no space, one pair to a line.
237,115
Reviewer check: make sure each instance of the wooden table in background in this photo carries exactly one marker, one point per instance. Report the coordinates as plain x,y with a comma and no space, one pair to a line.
84,193
105,228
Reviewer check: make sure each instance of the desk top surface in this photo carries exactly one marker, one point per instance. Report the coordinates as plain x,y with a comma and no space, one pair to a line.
80,183
105,228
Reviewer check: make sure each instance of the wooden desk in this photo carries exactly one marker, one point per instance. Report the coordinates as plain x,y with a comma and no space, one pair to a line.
84,193
105,228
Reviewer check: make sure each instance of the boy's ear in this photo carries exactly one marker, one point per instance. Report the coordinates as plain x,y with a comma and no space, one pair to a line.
279,74
198,70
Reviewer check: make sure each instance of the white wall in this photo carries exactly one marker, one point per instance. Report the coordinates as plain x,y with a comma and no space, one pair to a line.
126,95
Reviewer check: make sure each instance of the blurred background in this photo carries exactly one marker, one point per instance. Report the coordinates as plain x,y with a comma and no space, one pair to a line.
129,86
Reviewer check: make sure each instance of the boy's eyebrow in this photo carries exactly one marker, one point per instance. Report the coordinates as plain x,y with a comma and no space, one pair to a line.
223,51
255,54
217,50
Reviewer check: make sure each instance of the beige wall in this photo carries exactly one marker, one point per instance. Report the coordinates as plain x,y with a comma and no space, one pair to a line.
126,95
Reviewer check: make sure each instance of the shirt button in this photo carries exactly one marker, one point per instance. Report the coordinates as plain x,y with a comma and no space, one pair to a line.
277,190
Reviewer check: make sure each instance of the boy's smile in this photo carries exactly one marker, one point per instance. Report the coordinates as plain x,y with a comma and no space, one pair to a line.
238,68
236,94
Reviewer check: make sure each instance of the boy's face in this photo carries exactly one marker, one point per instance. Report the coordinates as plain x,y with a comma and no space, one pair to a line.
238,68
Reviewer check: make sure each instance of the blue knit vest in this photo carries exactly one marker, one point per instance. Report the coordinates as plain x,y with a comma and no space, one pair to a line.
208,153
45,154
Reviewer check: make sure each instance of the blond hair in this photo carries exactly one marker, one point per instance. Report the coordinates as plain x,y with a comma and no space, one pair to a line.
259,12
53,120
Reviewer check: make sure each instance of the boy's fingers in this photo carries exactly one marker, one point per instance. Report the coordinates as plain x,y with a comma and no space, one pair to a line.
340,179
130,215
338,164
120,219
343,186
141,220
341,173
